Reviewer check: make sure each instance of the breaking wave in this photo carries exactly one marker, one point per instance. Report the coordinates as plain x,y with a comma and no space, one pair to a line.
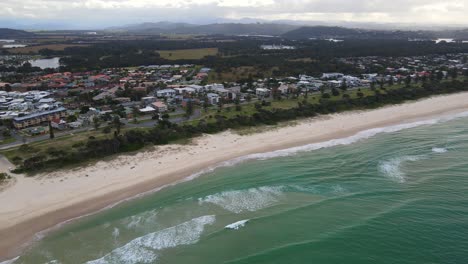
439,150
392,168
237,225
11,261
245,200
145,249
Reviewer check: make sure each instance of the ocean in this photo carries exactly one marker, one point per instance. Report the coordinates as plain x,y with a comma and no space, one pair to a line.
390,195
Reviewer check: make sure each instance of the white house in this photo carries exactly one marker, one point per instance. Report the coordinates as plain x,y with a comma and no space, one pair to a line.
185,90
166,93
333,75
214,87
213,98
262,92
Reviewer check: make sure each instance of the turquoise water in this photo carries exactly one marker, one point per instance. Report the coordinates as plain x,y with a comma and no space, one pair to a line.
398,197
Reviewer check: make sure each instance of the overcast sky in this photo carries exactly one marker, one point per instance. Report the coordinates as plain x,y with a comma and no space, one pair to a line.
102,13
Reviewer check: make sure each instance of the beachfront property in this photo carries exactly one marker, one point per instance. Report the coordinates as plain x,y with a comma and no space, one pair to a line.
39,118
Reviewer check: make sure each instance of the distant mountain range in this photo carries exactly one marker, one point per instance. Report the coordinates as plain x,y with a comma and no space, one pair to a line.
286,31
322,32
209,29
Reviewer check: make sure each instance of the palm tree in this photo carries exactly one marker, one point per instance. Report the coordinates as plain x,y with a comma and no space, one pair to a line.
51,131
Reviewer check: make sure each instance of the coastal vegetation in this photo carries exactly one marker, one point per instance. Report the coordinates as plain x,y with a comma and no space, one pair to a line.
34,158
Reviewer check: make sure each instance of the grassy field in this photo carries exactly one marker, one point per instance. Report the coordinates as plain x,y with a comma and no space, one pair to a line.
36,49
63,142
7,141
187,54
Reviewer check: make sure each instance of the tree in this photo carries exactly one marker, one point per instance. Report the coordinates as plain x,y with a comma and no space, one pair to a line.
454,73
335,92
7,88
135,114
189,108
220,104
343,86
6,133
408,81
237,103
96,122
440,75
117,124
51,131
84,109
71,118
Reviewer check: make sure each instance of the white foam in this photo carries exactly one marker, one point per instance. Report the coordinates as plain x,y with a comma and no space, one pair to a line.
10,261
392,168
338,189
439,150
245,200
140,220
115,233
144,249
237,225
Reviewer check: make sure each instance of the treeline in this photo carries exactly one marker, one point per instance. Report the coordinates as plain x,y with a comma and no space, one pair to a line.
243,51
166,132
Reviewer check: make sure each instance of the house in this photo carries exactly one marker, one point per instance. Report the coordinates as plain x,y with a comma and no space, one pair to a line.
166,93
262,92
334,83
284,89
197,88
147,110
213,98
159,106
333,75
106,94
185,90
214,87
58,123
148,100
38,118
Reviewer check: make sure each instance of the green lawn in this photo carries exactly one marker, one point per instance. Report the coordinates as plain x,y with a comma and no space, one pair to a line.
7,141
187,54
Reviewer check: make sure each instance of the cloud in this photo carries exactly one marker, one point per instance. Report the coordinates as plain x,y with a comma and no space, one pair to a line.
126,11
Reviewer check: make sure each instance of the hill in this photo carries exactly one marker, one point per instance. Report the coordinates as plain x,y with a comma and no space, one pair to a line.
210,29
13,33
324,32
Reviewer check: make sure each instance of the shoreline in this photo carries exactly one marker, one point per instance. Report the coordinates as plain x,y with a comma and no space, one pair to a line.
32,206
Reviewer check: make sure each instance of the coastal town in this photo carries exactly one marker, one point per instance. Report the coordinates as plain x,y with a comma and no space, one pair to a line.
70,102
222,131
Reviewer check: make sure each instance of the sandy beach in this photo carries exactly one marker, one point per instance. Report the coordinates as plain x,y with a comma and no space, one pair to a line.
33,204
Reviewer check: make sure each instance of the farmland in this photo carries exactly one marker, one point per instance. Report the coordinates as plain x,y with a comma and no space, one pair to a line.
187,54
